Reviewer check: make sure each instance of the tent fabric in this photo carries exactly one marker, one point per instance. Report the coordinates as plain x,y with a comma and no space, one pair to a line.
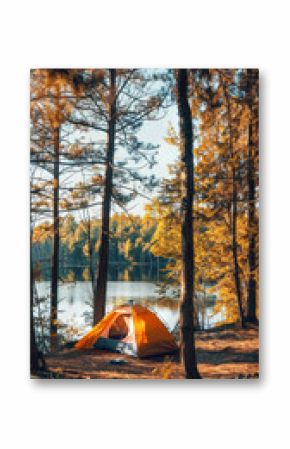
130,329
152,337
89,340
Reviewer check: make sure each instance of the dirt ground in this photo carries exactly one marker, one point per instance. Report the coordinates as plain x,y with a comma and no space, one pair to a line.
226,354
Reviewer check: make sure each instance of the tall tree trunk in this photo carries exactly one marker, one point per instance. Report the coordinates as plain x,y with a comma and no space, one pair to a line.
37,361
55,246
90,247
252,288
235,251
187,294
100,287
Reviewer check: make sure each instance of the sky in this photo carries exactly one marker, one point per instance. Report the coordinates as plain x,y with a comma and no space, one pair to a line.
154,132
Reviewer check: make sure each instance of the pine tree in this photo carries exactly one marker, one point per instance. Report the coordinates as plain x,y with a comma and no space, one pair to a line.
252,95
117,108
54,93
187,195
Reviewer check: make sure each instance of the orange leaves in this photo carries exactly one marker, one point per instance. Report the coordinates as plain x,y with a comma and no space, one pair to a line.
65,204
41,203
220,153
42,232
97,179
172,138
53,95
165,370
76,151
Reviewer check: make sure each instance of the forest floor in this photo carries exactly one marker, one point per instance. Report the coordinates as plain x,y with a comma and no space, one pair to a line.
225,354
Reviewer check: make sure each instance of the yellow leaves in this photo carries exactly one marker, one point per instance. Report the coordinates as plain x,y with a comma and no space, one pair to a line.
125,277
65,204
86,249
172,138
97,245
42,232
165,370
153,210
200,149
70,277
126,246
71,331
86,275
138,241
166,238
41,203
76,194
76,151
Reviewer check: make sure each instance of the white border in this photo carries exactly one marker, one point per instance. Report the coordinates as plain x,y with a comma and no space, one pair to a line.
219,414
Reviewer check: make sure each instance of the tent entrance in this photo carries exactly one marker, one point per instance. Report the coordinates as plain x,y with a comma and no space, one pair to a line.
120,337
119,329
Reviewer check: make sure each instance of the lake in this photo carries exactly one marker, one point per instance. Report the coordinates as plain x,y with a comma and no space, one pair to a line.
75,302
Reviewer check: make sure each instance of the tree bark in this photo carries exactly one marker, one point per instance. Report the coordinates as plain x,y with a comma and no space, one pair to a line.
90,248
55,246
235,251
187,191
37,361
100,287
252,288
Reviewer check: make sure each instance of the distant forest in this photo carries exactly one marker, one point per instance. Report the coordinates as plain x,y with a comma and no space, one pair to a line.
130,257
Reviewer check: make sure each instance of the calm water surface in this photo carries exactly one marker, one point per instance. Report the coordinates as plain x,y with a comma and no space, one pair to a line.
75,302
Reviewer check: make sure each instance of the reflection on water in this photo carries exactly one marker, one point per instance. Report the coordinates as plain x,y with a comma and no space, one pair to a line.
153,271
75,302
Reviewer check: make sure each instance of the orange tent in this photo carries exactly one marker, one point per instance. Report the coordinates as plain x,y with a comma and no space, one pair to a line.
133,330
